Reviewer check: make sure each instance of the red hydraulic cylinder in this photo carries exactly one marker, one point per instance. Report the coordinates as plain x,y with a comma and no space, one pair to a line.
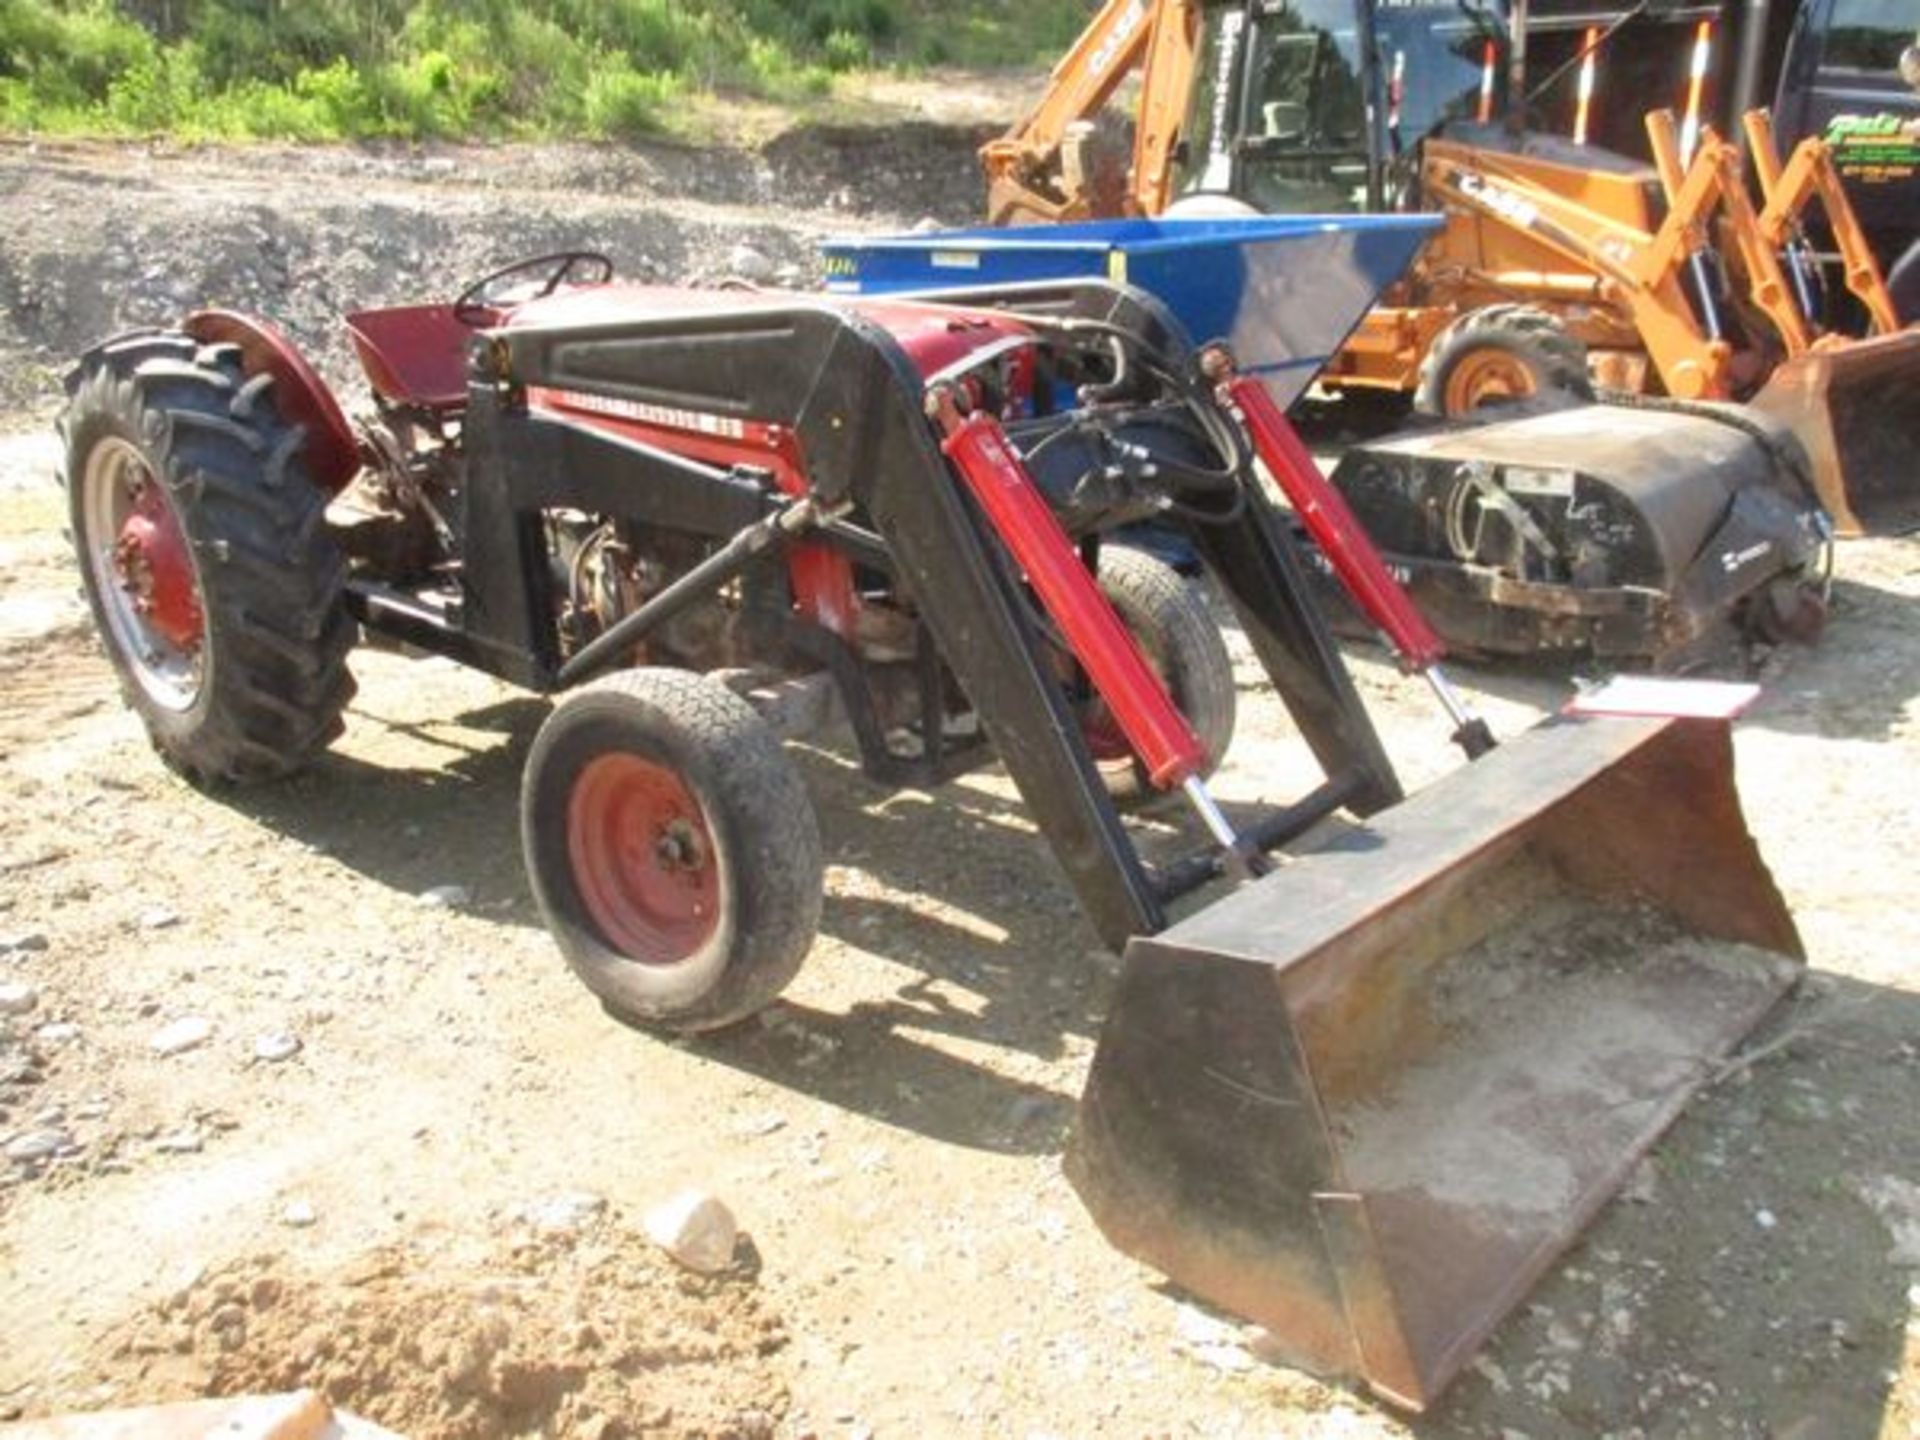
1101,642
1324,512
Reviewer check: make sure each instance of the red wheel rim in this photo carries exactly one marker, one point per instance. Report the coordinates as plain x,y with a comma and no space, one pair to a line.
144,574
643,859
1100,728
155,569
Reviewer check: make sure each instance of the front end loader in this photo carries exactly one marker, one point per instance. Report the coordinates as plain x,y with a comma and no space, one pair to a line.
1365,1095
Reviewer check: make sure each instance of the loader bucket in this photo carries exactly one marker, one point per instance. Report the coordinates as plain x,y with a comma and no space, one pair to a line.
1856,409
1366,1100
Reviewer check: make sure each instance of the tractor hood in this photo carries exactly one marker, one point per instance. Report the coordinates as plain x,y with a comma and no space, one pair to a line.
934,337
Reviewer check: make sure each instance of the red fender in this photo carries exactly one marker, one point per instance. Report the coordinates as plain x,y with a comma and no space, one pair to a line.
299,394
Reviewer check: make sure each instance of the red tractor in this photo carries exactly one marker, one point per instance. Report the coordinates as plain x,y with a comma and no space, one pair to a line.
709,519
705,502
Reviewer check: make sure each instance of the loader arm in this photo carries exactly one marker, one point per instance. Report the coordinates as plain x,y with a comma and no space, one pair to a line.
1721,178
1032,178
1810,171
1641,272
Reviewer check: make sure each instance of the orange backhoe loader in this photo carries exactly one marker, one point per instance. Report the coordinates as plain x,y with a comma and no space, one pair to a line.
1560,266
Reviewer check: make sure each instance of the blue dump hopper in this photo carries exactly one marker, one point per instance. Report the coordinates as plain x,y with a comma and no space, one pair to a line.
1284,291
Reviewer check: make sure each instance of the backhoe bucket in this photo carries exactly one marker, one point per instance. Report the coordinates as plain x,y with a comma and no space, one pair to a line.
1366,1100
1856,409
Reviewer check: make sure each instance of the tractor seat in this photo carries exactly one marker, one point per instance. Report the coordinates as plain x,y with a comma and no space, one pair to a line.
413,354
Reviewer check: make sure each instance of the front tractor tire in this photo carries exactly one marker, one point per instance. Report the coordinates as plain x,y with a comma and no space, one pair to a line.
1502,355
1169,619
672,849
213,583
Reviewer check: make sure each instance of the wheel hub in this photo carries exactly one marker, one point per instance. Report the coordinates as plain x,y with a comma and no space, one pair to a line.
643,859
1484,375
680,848
155,570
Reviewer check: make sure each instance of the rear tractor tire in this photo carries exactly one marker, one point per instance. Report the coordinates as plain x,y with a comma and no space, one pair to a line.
672,849
1169,618
215,587
1502,355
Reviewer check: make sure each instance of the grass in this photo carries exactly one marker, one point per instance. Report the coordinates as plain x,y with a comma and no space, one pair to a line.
454,69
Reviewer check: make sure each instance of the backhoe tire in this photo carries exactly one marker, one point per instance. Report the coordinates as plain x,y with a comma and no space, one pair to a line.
1499,355
215,587
1169,618
672,849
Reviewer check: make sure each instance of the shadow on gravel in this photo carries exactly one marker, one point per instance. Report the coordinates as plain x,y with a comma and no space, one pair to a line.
955,887
960,888
1003,963
1755,1279
1827,692
415,828
867,1063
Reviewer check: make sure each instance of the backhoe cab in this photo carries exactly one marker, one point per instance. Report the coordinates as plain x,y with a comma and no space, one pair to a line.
1314,105
1319,105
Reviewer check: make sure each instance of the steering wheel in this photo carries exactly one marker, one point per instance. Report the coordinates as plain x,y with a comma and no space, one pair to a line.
481,302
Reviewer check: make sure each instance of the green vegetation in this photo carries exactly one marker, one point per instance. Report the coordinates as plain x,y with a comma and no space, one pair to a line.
351,69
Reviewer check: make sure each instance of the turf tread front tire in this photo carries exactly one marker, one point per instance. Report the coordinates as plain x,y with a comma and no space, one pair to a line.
276,632
753,804
1169,617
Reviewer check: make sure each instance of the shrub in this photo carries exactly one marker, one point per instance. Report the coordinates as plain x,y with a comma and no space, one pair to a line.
339,94
847,51
315,69
623,103
155,93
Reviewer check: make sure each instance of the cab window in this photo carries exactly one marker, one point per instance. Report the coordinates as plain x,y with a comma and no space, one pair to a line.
1869,35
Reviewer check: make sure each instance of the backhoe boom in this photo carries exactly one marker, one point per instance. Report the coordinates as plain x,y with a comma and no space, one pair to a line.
1039,171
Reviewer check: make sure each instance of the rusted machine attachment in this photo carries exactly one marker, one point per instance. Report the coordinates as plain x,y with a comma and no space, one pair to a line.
1853,406
1637,533
1366,1100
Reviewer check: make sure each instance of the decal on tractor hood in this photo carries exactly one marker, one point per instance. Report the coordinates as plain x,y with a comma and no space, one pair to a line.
1517,208
667,416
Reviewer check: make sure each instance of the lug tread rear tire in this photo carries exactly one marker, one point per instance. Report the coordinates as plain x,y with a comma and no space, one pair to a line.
1534,336
277,632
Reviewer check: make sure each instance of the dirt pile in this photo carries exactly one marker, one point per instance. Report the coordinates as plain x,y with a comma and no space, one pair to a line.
595,1335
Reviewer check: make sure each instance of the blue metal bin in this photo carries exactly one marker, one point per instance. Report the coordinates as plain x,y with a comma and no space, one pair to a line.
1284,290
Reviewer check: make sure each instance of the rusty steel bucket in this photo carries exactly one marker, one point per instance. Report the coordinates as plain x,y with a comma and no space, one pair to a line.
1855,406
1368,1099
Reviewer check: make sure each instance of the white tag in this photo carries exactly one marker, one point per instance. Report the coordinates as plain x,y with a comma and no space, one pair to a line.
1657,695
1525,480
